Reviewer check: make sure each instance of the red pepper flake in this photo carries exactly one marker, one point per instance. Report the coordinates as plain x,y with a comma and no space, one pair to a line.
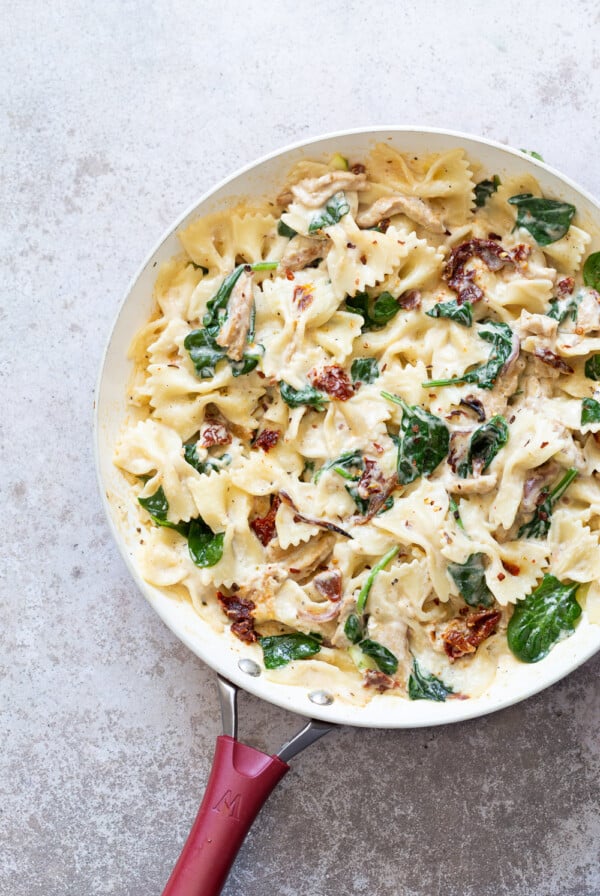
264,526
501,576
358,168
289,275
363,258
267,439
512,568
333,380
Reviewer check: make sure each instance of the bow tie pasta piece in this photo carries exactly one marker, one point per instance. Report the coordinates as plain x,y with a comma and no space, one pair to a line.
361,258
575,549
567,253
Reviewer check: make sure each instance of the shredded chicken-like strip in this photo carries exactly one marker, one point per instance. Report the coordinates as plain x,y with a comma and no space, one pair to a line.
313,192
302,250
411,206
234,332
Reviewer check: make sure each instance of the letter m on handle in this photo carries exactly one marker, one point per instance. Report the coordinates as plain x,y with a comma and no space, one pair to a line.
229,805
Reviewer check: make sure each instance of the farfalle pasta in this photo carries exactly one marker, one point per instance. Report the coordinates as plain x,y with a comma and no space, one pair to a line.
364,430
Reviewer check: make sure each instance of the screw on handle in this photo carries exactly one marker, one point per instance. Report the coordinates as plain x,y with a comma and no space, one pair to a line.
240,782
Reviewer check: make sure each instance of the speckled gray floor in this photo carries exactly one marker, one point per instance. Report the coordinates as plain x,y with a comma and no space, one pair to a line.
115,115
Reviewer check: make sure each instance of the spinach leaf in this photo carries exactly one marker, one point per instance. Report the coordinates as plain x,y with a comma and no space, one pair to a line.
423,441
364,370
542,618
547,220
484,445
469,578
279,650
560,308
376,312
206,547
204,466
248,362
213,318
384,658
368,583
353,628
351,460
591,271
284,230
484,375
307,395
590,411
425,686
158,508
592,368
533,154
484,189
539,524
333,212
460,314
206,354
455,512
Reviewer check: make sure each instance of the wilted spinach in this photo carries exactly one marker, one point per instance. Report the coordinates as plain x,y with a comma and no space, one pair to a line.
376,312
158,508
590,411
206,354
539,524
484,445
469,578
547,220
284,230
307,395
453,506
333,211
425,686
384,658
460,314
423,441
484,189
205,546
368,583
364,370
591,271
345,465
542,618
592,368
279,650
204,466
560,308
501,337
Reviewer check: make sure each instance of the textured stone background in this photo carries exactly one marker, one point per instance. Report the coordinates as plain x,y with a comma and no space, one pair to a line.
115,115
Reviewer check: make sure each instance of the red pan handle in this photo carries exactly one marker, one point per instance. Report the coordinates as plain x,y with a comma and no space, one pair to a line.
240,782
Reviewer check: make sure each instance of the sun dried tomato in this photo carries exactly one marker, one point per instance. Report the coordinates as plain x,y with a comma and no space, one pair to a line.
461,641
267,439
239,611
264,526
333,380
214,433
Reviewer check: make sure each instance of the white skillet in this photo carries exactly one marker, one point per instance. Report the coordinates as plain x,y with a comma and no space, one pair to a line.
242,777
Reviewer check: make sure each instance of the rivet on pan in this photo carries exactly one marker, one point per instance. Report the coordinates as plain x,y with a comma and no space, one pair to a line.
321,698
249,667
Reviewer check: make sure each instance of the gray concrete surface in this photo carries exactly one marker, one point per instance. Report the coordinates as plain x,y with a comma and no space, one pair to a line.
115,115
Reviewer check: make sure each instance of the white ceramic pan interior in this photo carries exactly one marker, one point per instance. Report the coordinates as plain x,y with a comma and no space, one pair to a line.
514,680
